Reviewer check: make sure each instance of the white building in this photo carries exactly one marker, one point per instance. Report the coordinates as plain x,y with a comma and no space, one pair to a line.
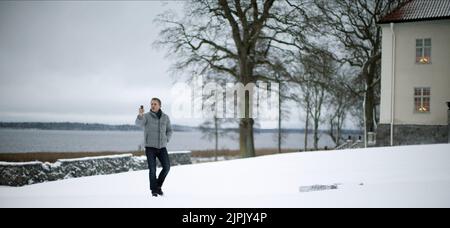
415,74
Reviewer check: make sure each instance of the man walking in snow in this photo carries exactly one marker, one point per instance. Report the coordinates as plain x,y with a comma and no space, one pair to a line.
157,133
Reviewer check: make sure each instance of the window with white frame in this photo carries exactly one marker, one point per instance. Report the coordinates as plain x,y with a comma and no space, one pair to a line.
423,51
422,99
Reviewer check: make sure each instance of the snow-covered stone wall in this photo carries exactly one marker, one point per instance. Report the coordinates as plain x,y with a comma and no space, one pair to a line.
23,173
448,124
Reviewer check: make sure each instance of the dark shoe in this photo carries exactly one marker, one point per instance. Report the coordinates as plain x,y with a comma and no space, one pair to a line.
154,194
160,192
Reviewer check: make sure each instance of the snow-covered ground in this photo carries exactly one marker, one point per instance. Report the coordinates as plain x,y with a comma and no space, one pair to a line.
408,176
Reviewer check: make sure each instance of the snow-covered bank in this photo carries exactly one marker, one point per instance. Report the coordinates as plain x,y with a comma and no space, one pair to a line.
24,173
408,176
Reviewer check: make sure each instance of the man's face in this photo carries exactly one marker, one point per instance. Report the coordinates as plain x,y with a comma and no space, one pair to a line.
155,106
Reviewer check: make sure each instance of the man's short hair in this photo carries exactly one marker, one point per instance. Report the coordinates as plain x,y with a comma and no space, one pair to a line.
156,99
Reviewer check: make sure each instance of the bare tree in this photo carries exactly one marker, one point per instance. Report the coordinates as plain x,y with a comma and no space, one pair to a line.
214,130
307,106
244,41
320,68
214,127
353,26
316,112
283,113
301,95
223,37
339,105
276,69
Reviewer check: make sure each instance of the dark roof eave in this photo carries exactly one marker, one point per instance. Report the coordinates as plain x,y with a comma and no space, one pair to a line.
413,20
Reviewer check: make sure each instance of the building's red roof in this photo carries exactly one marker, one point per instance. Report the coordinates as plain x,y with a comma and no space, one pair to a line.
419,10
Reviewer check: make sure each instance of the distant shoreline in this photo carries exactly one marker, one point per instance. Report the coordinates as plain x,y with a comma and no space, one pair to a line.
74,126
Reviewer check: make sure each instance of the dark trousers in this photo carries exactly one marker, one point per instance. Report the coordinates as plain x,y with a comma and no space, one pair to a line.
163,156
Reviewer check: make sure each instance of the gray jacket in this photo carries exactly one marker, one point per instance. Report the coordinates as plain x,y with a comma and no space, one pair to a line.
157,132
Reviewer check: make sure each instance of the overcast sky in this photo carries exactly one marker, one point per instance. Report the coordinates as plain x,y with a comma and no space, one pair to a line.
80,61
84,61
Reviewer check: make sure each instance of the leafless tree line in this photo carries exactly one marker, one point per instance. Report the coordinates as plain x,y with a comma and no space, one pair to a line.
325,54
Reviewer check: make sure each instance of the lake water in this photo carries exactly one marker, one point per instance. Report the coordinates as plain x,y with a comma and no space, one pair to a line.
32,140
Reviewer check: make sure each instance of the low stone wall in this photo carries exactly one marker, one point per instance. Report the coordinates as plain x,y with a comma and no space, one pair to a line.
23,173
448,124
412,134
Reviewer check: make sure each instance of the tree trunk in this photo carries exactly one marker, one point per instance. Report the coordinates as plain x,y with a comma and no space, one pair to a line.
246,139
279,119
333,137
217,137
369,104
307,127
318,96
246,142
369,111
338,130
316,134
